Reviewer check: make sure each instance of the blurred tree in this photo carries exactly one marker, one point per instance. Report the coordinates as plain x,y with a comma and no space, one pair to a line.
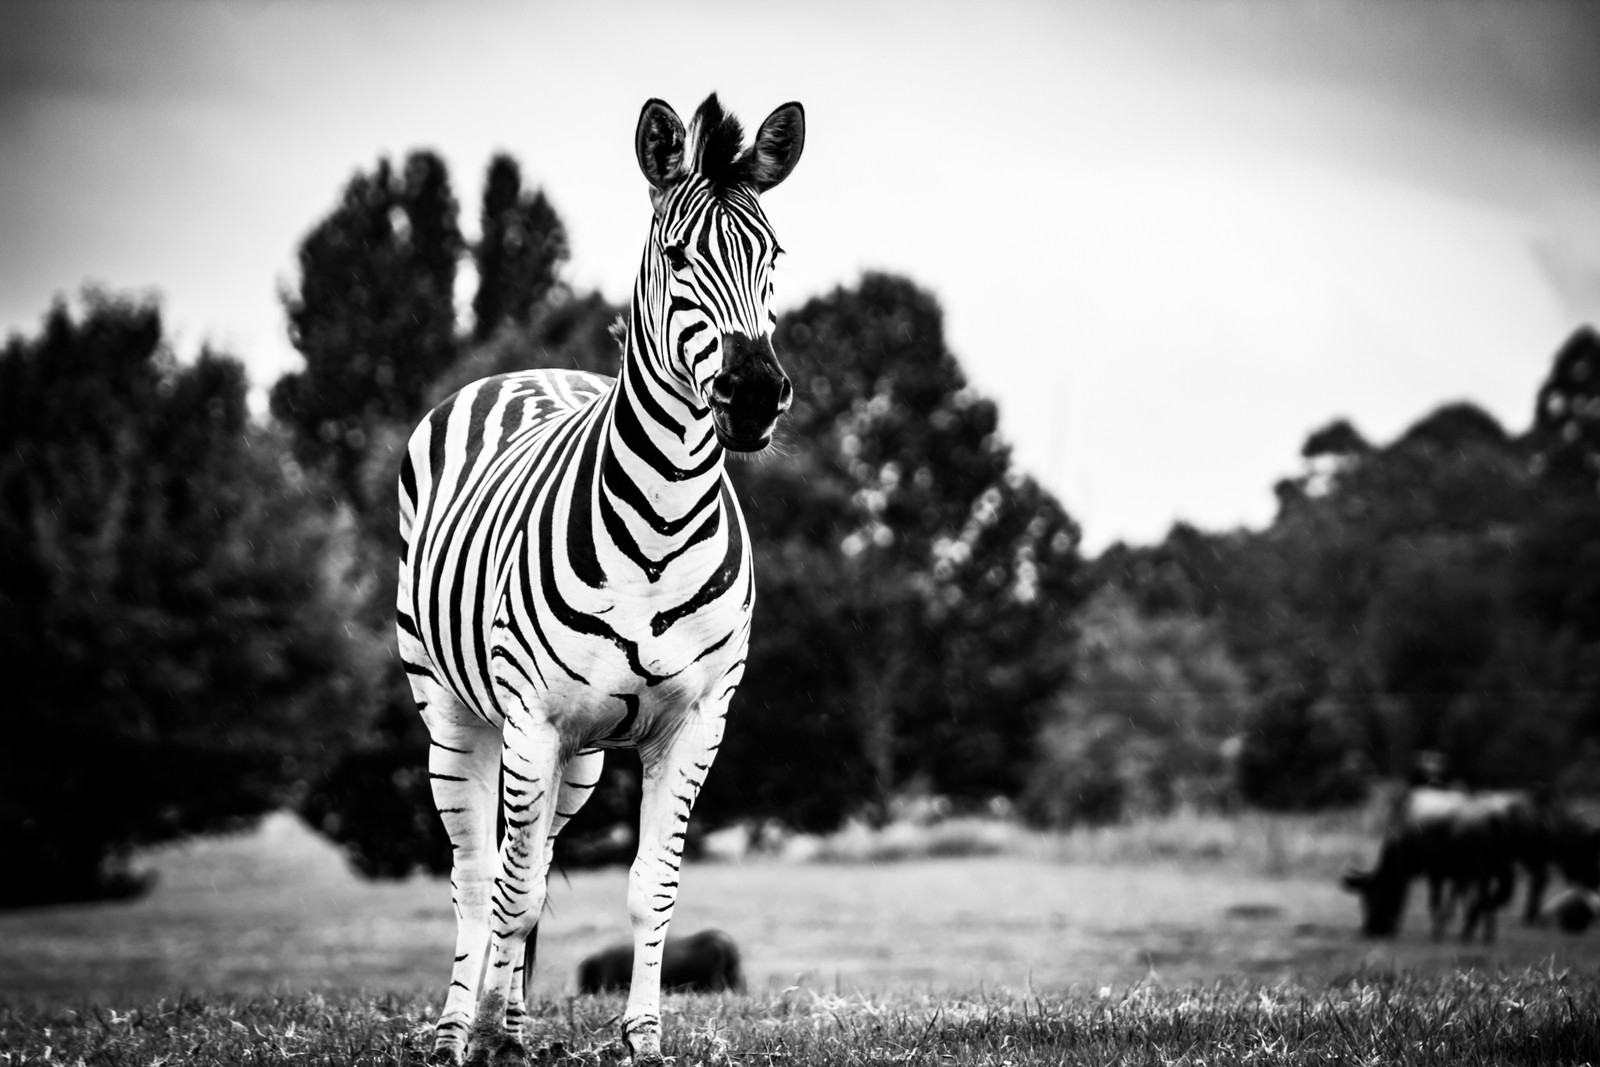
1556,563
374,317
1378,595
374,314
375,800
1566,417
580,332
171,590
1430,627
521,248
1154,709
1339,438
915,591
1301,751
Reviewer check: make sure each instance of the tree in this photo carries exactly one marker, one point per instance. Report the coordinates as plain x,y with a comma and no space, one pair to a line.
1377,594
915,590
1339,438
375,799
374,313
1301,751
1430,626
1566,417
521,249
1555,570
170,596
374,318
1147,724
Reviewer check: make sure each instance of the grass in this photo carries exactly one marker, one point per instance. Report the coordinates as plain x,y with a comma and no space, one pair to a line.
1186,940
1528,1018
1263,843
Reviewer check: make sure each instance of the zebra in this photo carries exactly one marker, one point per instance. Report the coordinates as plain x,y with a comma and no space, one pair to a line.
575,574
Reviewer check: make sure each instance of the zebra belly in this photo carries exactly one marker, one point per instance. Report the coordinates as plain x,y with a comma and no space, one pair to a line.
599,698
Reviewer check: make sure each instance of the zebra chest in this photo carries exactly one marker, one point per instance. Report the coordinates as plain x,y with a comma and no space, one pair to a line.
601,658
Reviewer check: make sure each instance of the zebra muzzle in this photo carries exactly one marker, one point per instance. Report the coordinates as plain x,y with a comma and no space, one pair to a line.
749,394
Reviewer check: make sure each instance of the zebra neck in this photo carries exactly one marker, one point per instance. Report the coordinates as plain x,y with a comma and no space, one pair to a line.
659,485
655,417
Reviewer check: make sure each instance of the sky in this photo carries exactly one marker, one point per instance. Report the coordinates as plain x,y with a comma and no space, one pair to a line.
1170,237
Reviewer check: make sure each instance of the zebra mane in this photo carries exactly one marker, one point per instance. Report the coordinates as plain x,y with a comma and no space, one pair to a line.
718,149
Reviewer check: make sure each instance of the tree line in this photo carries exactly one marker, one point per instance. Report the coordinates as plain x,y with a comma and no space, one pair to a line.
916,590
1438,593
197,606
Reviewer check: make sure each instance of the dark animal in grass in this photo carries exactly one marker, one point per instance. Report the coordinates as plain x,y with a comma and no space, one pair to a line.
1460,843
706,962
1573,909
1546,834
1466,845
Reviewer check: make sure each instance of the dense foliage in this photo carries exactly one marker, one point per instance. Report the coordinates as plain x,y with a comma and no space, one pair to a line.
916,590
199,607
519,253
373,313
1433,594
171,603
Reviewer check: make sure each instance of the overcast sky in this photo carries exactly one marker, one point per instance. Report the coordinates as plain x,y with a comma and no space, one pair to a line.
1170,238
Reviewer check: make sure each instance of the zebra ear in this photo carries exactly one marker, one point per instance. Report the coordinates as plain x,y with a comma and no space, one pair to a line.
658,142
777,146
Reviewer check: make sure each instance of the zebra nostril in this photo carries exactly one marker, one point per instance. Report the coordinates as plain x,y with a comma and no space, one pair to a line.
722,389
785,395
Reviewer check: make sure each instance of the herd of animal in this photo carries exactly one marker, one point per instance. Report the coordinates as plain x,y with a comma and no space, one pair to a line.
1467,846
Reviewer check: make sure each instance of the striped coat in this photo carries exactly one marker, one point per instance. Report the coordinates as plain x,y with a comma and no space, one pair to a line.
575,572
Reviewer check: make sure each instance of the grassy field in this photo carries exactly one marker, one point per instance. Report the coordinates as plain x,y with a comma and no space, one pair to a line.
1375,1019
1183,941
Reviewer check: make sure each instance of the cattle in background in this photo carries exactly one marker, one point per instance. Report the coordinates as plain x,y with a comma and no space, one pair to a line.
1466,846
706,962
1546,834
1459,843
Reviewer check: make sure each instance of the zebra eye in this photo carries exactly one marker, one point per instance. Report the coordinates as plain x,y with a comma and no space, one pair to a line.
676,257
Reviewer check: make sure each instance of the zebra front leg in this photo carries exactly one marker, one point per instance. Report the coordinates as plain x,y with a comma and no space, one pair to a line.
673,775
463,763
529,785
578,781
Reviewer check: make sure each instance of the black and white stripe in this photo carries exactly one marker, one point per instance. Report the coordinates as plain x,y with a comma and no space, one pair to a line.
575,572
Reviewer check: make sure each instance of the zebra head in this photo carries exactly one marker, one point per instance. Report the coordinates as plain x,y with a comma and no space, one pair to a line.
707,272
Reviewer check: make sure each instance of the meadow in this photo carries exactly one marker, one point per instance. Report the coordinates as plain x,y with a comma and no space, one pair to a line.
1186,940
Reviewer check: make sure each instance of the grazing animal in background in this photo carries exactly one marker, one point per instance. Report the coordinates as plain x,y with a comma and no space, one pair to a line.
1574,909
706,962
1459,842
1546,834
575,574
1467,845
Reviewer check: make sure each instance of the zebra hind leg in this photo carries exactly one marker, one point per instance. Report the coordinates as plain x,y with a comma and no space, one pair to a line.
463,767
528,799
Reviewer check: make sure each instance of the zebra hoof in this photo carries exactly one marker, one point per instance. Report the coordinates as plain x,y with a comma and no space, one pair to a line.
444,1056
505,1051
644,1049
